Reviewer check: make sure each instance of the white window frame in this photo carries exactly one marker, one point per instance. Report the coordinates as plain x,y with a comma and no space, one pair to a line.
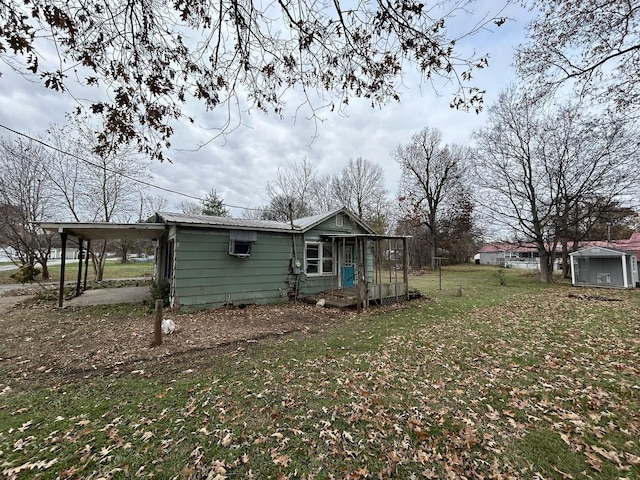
320,260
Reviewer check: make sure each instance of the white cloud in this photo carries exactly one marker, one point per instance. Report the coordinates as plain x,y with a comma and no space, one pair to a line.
240,164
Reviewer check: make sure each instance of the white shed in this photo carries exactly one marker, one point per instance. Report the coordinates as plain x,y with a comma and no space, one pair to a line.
604,267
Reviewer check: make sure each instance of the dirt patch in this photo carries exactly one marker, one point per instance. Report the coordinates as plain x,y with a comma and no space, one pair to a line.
104,340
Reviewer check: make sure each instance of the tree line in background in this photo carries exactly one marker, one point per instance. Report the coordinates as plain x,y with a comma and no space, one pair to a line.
549,174
548,171
66,180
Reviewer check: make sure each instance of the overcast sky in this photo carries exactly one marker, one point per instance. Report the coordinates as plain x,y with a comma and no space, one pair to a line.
240,164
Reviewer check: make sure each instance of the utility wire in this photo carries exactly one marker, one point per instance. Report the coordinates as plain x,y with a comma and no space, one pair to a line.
124,175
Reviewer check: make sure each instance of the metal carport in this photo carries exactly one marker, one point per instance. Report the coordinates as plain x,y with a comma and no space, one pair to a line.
86,232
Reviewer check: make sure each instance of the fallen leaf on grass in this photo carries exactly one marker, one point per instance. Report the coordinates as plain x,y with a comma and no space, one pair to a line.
609,455
593,460
564,474
41,465
282,460
227,440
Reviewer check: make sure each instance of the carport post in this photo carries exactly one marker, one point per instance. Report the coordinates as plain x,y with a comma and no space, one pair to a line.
86,264
80,242
63,239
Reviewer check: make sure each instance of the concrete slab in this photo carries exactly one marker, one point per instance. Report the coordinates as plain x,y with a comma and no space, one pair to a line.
110,296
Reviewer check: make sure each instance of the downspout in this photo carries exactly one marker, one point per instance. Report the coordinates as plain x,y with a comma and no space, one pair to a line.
174,298
294,265
294,259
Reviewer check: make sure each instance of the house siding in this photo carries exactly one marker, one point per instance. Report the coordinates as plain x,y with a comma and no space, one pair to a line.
207,276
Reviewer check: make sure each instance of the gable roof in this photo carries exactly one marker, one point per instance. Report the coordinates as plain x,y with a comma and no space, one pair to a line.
599,251
102,230
307,223
184,219
300,225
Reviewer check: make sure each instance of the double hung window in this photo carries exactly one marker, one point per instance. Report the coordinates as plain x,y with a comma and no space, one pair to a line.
318,258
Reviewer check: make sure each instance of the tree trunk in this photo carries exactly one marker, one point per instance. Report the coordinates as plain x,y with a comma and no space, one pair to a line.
546,269
566,271
433,243
433,254
98,261
125,254
45,271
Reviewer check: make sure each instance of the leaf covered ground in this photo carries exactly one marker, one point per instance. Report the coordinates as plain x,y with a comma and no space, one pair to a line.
521,381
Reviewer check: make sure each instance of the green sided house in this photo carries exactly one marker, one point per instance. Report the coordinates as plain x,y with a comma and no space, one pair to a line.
213,261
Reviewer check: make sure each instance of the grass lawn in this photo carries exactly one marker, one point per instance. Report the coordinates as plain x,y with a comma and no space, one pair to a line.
113,269
520,380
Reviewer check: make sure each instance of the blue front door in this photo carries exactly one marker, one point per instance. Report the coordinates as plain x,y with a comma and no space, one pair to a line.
348,276
348,268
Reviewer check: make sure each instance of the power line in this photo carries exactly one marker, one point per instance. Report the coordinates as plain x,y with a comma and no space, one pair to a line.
124,175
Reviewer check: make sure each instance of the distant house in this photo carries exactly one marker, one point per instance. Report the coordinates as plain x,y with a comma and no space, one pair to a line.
598,266
630,245
212,261
509,255
70,253
525,255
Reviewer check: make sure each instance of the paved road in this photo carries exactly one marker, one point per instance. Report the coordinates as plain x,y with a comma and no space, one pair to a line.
49,264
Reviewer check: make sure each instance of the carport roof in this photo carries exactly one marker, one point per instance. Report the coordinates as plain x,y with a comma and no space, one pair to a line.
104,231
